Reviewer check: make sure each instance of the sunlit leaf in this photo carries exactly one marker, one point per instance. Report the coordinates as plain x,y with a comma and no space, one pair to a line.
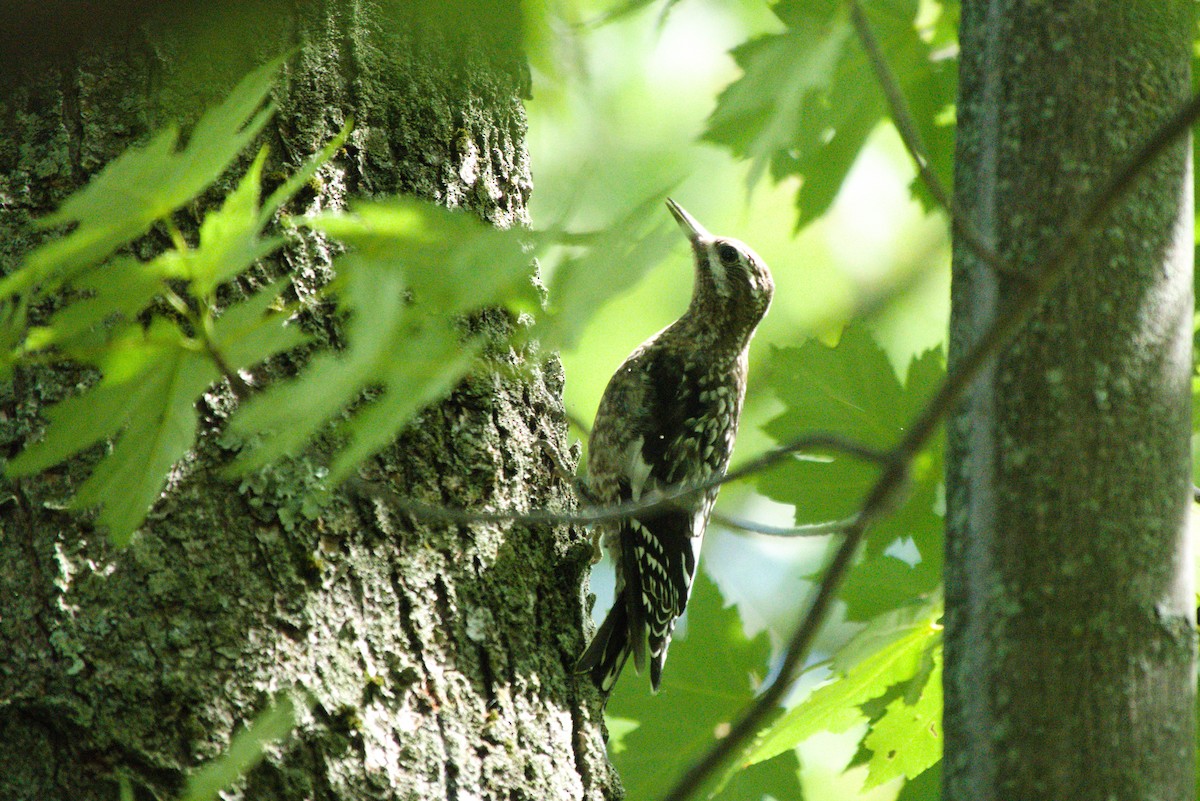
249,332
411,269
118,289
451,261
229,236
146,400
285,416
888,653
229,243
919,618
435,362
614,261
161,429
297,181
907,740
618,730
786,78
808,98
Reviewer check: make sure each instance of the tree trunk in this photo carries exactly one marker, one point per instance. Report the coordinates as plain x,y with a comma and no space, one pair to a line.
439,656
1069,627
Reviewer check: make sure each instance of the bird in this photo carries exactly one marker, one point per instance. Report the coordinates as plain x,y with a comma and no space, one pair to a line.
667,421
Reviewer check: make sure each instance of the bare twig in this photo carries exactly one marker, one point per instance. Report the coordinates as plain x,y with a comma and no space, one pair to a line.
808,530
893,477
241,389
651,502
579,425
738,523
911,137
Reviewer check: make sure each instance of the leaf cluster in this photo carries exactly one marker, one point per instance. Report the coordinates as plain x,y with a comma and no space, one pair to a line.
852,390
807,102
159,333
152,367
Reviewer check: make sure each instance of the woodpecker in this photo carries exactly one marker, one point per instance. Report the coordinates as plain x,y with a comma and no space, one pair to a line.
667,420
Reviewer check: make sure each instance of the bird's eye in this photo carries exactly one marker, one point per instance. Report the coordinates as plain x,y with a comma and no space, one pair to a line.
728,254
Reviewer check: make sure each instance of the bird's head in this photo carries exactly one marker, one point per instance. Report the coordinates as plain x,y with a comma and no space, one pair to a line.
732,281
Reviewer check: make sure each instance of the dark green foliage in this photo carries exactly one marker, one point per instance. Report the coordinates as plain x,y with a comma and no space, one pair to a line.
889,675
926,787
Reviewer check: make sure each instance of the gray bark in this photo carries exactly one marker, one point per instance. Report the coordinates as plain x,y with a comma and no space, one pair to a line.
1069,625
439,656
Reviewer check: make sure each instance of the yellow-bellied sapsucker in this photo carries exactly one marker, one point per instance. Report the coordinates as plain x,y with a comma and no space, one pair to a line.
667,420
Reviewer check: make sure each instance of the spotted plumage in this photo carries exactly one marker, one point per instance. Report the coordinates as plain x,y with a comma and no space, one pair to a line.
668,419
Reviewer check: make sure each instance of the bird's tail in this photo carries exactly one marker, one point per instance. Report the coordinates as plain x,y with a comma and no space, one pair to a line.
608,651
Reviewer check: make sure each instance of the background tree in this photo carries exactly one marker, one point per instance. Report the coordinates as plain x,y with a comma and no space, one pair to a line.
1070,645
436,656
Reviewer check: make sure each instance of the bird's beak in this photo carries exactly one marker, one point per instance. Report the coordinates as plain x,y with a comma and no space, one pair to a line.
694,230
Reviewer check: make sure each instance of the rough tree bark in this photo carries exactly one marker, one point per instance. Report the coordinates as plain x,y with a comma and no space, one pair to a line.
1069,627
439,655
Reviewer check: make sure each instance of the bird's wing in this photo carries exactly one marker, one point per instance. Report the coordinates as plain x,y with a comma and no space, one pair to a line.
659,549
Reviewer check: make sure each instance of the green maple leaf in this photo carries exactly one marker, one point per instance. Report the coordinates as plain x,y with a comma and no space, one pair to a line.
890,651
852,390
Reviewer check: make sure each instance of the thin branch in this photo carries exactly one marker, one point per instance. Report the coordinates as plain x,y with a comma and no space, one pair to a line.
807,530
241,389
894,475
911,137
739,523
812,443
651,502
578,425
